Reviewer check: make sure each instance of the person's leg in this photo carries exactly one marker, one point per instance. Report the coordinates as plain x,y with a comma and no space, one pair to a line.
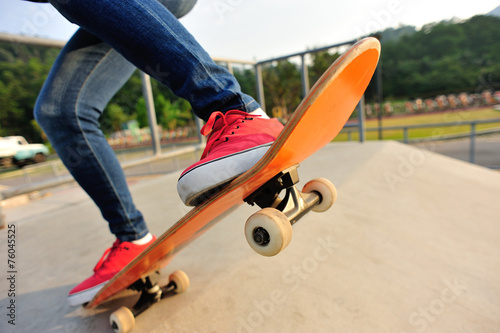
83,79
151,38
86,75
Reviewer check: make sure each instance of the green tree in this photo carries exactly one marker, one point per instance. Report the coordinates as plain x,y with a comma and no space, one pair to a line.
172,114
320,63
246,79
23,70
441,58
282,86
117,116
141,112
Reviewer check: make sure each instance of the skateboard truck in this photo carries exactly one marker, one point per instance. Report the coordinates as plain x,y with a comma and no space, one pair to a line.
294,205
123,319
151,292
269,230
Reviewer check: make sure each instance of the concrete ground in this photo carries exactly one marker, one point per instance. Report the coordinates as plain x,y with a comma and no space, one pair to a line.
411,245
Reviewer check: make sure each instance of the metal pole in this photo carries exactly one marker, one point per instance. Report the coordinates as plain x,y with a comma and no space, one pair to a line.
230,67
405,135
304,76
199,125
260,86
361,119
54,169
378,84
147,92
472,151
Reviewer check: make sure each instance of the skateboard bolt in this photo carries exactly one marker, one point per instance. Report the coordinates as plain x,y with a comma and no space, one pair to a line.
261,236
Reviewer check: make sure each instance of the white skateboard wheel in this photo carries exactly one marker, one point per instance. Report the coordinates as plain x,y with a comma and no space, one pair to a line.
181,281
326,191
122,320
268,232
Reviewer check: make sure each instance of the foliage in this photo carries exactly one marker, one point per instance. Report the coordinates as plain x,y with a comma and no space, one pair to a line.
320,62
246,79
441,58
282,87
23,70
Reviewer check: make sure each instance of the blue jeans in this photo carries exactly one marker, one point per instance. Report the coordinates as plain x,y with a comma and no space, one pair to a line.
115,37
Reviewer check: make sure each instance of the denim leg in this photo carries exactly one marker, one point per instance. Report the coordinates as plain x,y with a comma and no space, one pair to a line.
83,79
150,37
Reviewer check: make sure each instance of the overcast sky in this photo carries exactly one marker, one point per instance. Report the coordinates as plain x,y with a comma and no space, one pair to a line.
261,29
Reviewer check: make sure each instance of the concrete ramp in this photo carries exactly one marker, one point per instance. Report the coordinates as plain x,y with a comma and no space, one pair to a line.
411,245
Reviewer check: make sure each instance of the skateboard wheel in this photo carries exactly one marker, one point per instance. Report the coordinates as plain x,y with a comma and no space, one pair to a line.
268,232
122,320
326,191
181,281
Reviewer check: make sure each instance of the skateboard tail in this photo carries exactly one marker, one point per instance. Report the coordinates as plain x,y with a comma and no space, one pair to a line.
328,106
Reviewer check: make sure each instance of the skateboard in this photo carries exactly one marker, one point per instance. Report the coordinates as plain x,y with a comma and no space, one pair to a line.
270,184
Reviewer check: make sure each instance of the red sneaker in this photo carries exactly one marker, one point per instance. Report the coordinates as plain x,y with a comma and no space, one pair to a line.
112,261
235,142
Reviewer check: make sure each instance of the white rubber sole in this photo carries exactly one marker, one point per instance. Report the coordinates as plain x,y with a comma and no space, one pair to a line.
84,296
201,182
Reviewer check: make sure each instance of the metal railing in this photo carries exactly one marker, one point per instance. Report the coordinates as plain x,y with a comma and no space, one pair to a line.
59,179
304,75
472,134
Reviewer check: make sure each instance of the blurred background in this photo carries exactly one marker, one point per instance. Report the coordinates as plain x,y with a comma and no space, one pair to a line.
437,85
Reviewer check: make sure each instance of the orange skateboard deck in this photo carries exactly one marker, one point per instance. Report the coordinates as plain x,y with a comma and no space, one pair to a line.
316,122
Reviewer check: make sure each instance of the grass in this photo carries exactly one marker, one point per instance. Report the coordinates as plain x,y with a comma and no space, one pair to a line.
457,118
